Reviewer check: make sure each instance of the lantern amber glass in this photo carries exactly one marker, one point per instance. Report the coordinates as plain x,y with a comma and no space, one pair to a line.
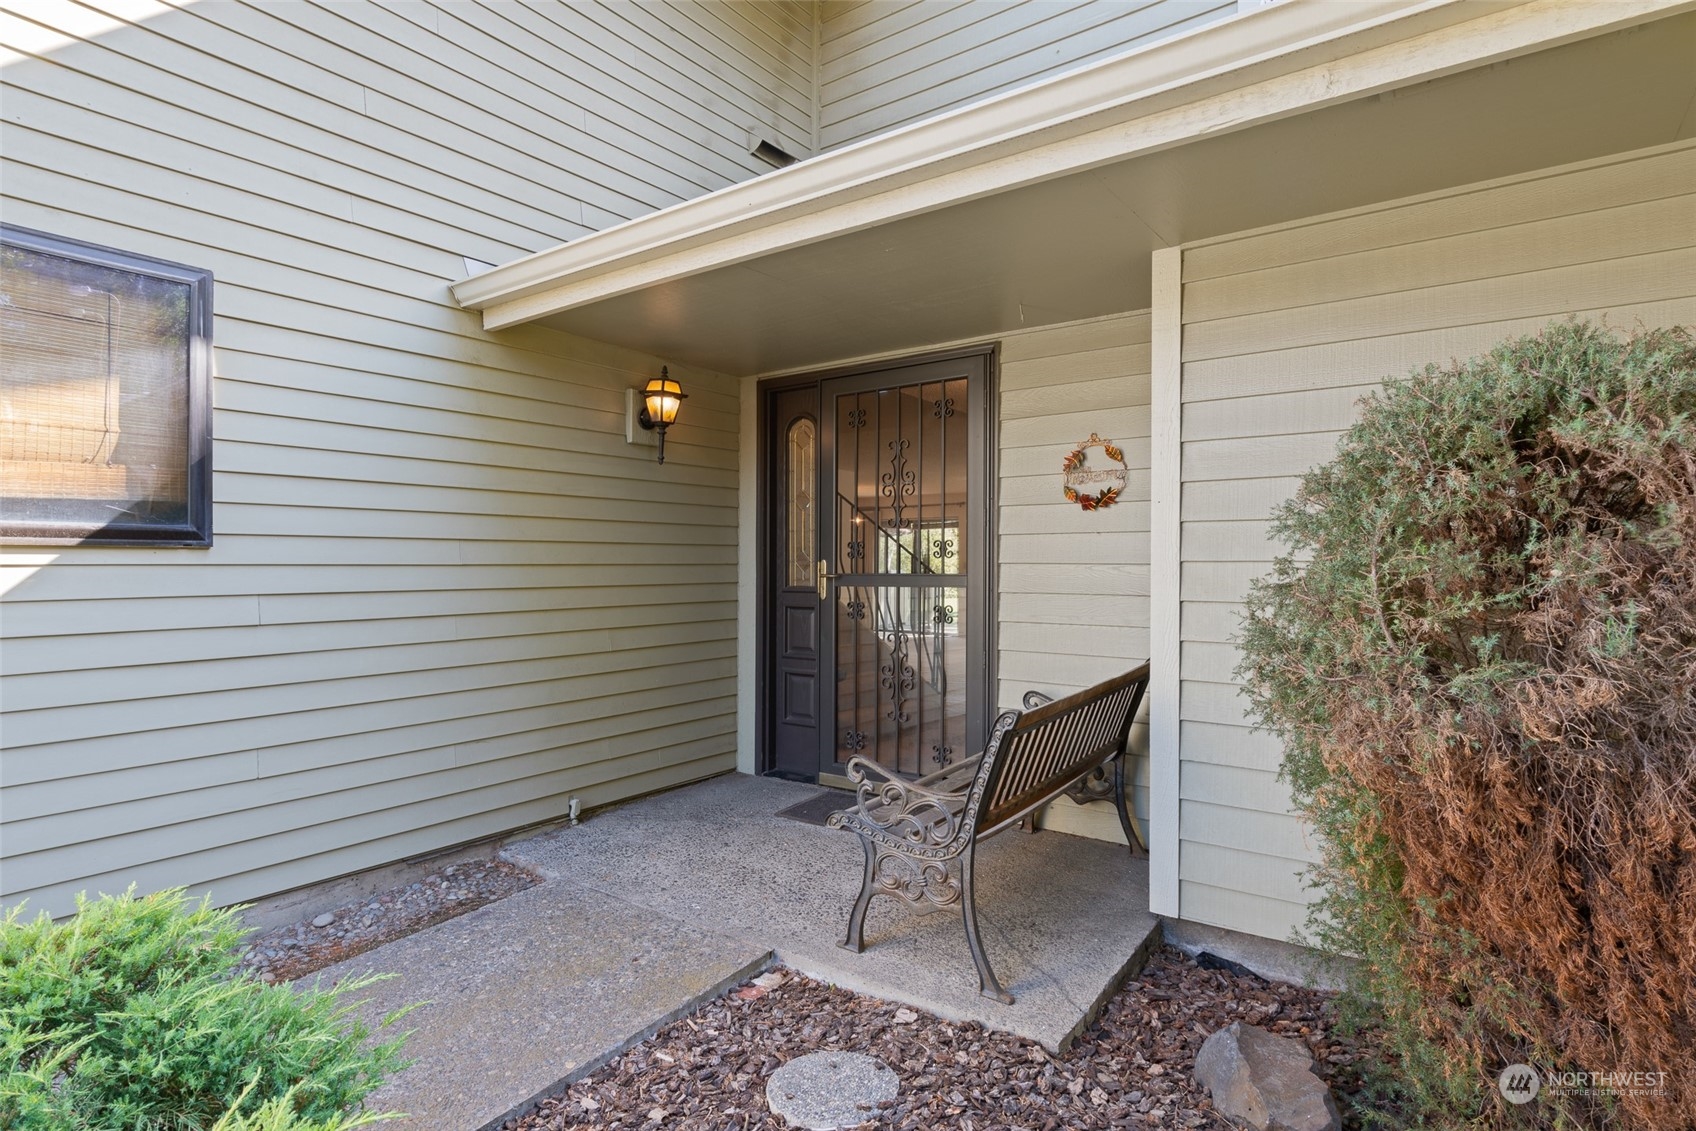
663,397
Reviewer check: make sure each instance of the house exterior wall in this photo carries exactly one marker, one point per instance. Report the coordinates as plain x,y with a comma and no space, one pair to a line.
1282,332
1072,605
444,595
884,63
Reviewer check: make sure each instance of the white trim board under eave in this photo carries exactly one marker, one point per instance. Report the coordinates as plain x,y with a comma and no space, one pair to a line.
1166,327
1284,60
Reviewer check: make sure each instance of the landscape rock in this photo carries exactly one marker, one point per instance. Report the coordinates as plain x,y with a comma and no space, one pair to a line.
324,920
826,1091
1266,1082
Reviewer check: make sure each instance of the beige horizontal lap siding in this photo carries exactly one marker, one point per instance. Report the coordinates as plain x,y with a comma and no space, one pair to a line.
885,63
1073,601
445,595
1284,331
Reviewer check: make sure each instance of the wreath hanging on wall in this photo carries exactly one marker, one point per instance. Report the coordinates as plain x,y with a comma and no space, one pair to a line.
1080,478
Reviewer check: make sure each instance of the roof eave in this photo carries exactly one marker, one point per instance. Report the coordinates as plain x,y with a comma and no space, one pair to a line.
1171,91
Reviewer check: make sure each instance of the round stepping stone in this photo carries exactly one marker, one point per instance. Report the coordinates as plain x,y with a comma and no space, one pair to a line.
826,1091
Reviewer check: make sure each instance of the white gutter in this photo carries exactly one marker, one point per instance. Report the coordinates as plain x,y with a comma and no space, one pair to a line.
1285,59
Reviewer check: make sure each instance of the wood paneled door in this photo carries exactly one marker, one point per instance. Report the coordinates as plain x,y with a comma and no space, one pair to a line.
876,598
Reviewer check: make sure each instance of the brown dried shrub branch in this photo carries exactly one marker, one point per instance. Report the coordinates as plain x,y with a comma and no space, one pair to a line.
1481,655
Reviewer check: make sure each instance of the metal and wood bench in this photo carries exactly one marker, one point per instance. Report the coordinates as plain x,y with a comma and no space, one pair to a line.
920,836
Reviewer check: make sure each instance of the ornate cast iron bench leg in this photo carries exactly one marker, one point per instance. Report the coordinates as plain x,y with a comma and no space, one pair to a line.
856,937
892,872
1098,786
1122,802
911,837
929,882
988,984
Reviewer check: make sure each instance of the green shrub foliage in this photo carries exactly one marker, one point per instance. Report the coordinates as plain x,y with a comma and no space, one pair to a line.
281,1114
130,1016
1480,654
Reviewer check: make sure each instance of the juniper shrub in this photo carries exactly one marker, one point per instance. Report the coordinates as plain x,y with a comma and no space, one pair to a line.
130,1016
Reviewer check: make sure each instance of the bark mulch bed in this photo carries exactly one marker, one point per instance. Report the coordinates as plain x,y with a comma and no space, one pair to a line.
286,953
1132,1069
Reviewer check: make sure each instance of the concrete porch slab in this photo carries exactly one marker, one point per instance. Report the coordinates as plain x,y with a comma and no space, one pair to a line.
1064,919
650,908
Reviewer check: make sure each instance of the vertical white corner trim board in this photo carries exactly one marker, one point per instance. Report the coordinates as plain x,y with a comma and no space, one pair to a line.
747,591
1166,372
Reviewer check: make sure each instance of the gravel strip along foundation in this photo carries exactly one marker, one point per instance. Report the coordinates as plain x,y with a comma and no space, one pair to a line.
286,953
707,1072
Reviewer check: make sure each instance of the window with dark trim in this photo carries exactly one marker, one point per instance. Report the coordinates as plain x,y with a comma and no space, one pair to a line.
105,395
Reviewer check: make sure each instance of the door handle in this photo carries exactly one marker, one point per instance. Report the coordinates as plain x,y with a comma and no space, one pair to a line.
825,577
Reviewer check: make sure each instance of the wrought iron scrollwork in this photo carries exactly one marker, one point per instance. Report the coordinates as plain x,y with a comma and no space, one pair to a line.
854,740
898,815
942,755
942,408
898,483
916,881
905,819
1098,786
898,678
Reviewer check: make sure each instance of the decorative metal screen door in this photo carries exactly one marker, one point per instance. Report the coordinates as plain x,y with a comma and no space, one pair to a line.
901,547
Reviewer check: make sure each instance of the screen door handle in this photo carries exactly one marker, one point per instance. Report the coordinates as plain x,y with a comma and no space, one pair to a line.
825,577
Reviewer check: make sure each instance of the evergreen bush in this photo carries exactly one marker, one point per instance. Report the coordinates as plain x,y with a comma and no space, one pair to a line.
1480,653
280,1114
130,1016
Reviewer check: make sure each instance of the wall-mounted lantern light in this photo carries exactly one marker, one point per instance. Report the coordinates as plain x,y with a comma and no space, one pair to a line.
661,398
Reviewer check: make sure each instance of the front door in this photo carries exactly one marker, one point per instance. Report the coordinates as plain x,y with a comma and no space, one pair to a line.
879,611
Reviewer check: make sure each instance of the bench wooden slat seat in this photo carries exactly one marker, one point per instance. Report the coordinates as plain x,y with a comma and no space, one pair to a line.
919,836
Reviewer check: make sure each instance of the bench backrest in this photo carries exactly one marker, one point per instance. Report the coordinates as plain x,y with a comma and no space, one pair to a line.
1053,745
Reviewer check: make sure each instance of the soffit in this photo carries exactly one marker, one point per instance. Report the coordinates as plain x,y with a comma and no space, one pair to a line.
1077,245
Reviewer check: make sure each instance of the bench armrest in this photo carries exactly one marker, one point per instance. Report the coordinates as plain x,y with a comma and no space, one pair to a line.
1035,699
893,809
877,786
953,778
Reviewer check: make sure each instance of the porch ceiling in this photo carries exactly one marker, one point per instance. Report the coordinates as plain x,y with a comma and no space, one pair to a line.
1076,244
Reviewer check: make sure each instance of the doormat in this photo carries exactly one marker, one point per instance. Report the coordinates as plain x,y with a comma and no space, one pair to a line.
815,809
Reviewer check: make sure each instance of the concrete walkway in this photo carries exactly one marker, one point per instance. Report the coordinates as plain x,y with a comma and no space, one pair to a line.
651,907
